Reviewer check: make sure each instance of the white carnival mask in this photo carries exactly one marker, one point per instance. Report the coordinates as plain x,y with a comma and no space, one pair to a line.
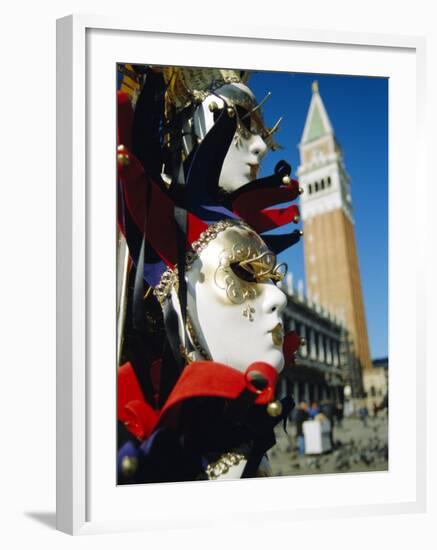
242,162
234,305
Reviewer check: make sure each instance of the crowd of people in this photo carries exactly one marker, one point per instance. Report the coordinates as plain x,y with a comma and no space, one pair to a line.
327,410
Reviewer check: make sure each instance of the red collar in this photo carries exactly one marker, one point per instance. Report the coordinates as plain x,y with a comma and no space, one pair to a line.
199,379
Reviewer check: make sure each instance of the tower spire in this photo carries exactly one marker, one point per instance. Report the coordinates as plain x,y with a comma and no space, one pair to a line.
317,123
331,259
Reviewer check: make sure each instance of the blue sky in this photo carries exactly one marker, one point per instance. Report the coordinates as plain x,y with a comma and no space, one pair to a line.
358,110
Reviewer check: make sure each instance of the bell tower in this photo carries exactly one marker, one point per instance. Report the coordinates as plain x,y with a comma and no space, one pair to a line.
331,260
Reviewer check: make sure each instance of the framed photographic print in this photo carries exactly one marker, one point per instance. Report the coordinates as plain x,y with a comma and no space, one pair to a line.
231,275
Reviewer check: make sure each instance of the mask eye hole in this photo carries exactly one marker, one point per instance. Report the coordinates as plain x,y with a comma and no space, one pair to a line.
245,118
243,273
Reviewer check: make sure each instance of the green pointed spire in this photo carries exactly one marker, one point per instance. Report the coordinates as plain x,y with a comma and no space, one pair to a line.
316,127
317,124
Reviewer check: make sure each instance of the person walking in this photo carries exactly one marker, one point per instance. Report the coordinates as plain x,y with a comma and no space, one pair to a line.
328,408
300,417
364,413
314,410
339,413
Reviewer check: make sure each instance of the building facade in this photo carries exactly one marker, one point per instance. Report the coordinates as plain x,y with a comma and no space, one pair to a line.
331,259
326,363
375,382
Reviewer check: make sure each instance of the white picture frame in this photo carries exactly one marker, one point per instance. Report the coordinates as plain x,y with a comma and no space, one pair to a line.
81,486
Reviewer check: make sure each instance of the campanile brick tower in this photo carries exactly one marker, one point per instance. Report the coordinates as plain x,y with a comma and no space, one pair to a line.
331,260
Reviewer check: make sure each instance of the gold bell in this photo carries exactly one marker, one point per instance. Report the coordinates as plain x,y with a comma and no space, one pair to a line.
300,190
302,342
213,106
129,465
231,112
123,159
296,219
274,408
121,148
301,232
286,180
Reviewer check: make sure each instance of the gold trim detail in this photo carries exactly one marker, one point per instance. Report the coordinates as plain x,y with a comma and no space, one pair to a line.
249,312
195,340
223,465
169,278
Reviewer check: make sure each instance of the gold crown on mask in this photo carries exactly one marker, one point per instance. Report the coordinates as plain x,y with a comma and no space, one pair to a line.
191,85
187,85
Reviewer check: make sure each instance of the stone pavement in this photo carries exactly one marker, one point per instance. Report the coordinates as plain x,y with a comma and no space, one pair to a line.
359,448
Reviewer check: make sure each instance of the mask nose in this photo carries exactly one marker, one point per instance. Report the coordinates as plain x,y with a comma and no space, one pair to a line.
257,146
275,300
